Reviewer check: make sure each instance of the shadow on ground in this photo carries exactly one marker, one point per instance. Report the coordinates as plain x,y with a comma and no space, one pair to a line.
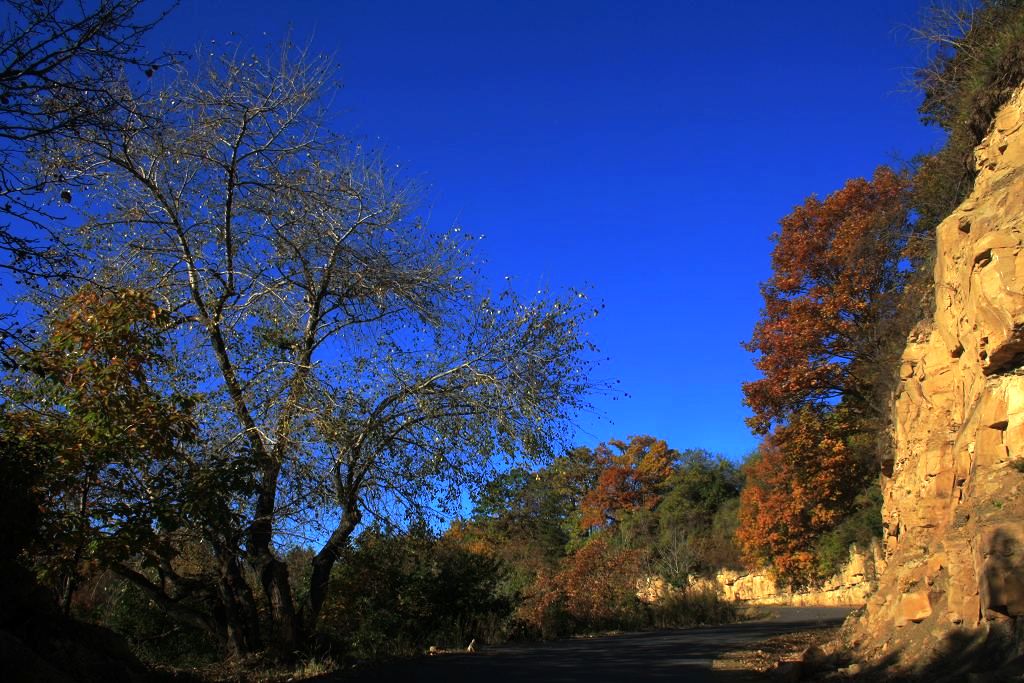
985,655
682,655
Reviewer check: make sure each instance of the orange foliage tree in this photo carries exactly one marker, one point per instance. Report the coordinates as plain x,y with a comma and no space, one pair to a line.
828,337
595,588
107,443
631,477
801,483
838,271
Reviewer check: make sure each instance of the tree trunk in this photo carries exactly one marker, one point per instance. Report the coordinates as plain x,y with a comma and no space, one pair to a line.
277,590
323,563
241,620
272,572
173,607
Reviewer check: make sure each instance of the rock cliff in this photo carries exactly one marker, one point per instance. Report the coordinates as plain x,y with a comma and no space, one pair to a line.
953,510
850,587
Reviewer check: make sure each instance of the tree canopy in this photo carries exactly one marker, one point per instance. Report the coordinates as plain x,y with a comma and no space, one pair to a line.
837,275
61,66
339,359
834,322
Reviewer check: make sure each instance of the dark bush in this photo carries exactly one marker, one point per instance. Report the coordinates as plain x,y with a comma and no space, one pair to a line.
691,607
155,637
399,594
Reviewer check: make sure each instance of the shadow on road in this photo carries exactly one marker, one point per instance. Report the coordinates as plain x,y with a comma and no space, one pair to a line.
683,655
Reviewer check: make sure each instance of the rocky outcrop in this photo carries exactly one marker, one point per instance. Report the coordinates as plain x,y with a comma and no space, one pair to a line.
953,510
850,587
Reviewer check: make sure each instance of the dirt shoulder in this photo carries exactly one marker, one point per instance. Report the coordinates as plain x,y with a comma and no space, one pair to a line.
811,653
762,659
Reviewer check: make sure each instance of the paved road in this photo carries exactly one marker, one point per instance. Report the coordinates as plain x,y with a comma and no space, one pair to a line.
679,656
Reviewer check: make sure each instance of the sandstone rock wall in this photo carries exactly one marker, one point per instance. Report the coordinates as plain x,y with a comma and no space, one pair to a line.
953,510
850,587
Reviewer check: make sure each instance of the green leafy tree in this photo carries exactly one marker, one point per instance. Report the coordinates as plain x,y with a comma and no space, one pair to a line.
528,520
686,540
110,445
521,507
540,508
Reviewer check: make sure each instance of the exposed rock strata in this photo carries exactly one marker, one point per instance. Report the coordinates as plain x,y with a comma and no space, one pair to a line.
953,510
850,587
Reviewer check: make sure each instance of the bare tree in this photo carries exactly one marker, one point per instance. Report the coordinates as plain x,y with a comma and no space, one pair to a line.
61,69
343,355
500,376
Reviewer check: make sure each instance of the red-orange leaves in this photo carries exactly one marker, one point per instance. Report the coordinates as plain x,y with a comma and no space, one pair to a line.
109,445
836,278
801,483
595,588
630,478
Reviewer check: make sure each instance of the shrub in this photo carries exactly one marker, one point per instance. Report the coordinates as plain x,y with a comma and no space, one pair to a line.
398,594
976,63
691,607
155,637
595,590
860,528
721,550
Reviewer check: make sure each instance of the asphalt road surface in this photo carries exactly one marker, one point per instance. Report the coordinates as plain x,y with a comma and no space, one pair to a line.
680,655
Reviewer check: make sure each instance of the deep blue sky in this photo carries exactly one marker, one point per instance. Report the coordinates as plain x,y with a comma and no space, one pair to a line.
646,149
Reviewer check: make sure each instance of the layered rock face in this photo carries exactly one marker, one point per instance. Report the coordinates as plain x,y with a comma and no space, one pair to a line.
849,588
953,510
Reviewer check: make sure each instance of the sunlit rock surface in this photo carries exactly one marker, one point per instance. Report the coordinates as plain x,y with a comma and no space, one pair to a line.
953,510
849,588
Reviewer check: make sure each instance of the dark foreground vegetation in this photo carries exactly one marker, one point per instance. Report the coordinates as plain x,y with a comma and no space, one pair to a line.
243,381
237,349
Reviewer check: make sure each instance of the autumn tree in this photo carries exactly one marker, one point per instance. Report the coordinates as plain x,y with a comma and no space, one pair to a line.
632,476
830,324
344,354
834,322
594,588
575,536
801,483
110,446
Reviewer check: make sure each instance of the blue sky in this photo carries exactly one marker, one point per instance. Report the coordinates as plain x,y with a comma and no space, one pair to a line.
643,149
